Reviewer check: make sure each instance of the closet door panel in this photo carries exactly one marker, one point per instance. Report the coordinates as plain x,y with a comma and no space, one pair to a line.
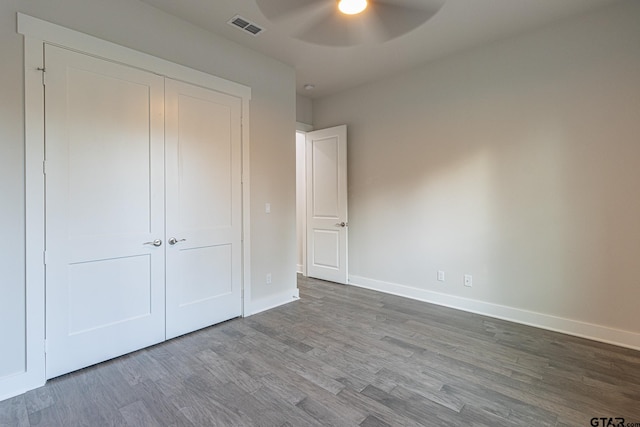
104,201
203,208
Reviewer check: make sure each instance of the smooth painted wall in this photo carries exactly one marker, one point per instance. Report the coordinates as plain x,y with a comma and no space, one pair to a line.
301,201
304,110
517,162
136,25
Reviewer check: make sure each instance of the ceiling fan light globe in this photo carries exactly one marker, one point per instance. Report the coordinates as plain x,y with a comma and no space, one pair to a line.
352,7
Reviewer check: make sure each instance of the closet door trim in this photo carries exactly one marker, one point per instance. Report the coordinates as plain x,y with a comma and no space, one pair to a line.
36,34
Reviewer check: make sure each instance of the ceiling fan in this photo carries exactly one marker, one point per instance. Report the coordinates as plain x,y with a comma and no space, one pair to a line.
348,22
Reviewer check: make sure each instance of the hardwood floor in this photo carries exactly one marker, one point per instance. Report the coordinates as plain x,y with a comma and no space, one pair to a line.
344,356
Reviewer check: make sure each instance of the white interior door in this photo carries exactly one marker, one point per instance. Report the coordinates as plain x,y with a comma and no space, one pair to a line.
204,207
104,200
327,222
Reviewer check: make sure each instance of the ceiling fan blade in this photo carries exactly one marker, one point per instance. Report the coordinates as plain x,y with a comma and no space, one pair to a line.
388,19
277,10
329,29
320,22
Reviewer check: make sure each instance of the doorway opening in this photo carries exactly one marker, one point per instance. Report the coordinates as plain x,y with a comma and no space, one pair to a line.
321,203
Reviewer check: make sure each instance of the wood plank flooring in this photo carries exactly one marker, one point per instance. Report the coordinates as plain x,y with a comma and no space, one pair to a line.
344,356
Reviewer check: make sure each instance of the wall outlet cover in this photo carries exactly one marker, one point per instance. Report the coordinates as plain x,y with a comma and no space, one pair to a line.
468,280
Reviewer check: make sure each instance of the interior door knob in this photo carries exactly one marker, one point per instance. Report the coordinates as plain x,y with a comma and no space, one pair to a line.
341,224
156,242
173,240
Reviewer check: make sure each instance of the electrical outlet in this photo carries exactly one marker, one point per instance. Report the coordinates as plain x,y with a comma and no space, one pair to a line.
468,280
440,275
268,278
267,208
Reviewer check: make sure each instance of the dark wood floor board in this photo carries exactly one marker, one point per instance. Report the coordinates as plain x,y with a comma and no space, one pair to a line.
224,371
472,396
467,347
335,404
172,385
353,307
376,409
280,360
162,407
417,414
436,395
46,417
282,328
137,414
103,403
206,401
153,366
591,394
13,412
308,366
250,362
395,374
77,401
311,371
379,351
112,384
38,399
445,414
442,366
346,356
557,403
333,417
299,383
424,327
412,406
200,414
373,421
503,405
619,372
443,317
329,319
294,388
282,389
418,338
347,371
629,394
477,417
264,410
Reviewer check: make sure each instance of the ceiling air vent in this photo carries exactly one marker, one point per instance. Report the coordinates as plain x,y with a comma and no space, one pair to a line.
246,25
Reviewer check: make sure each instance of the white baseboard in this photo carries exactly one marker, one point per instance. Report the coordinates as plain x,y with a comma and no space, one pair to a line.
299,269
553,323
273,302
20,382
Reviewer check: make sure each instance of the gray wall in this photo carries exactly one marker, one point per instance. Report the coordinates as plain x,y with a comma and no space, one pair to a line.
141,27
517,162
304,110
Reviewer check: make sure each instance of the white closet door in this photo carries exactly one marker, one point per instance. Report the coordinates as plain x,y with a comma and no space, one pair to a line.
327,222
104,200
203,208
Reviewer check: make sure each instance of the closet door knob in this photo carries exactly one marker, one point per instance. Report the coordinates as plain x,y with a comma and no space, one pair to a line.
173,240
156,242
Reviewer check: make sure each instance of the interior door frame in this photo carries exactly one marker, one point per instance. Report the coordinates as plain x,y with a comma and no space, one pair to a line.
339,132
302,128
36,34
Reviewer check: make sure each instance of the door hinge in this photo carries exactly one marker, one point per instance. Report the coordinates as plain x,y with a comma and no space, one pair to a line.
44,73
46,345
44,167
44,257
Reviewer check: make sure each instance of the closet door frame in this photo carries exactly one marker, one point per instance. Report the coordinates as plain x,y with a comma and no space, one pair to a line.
36,34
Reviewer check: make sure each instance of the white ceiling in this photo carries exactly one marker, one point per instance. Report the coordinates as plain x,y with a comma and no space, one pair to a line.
459,25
